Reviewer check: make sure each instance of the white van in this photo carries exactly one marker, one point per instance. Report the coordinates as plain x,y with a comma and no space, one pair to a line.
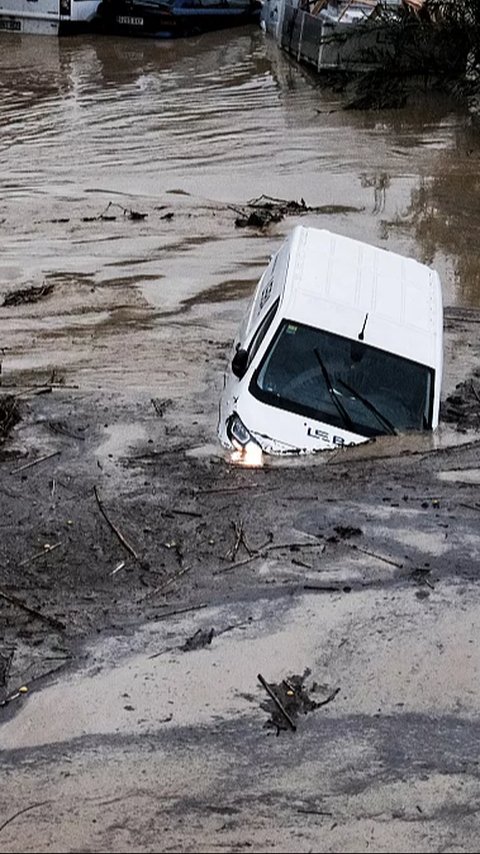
341,342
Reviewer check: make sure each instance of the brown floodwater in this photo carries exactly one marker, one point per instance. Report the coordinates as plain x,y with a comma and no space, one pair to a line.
217,119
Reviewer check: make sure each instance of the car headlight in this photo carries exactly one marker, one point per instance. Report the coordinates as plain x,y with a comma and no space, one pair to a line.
247,451
237,432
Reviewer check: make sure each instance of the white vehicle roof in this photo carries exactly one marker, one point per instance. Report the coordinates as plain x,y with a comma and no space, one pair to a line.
333,282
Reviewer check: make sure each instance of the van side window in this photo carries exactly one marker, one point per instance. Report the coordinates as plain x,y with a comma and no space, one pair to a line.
261,332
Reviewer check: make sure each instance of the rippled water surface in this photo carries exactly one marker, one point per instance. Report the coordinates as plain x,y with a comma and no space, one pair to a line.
196,127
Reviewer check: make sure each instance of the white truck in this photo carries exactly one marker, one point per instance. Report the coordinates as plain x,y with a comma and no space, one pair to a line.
46,17
341,342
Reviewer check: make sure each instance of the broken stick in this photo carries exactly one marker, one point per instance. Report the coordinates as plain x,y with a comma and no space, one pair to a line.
114,527
277,702
34,462
20,812
56,624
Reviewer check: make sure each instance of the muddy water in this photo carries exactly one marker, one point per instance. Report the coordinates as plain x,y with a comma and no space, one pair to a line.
223,118
184,132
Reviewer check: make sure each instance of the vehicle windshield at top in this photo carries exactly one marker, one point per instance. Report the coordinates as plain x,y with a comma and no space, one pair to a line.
343,382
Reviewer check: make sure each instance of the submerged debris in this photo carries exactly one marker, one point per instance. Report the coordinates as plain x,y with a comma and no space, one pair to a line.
376,90
260,212
106,216
25,295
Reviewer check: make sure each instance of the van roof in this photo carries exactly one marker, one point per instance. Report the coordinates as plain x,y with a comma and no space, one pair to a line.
334,282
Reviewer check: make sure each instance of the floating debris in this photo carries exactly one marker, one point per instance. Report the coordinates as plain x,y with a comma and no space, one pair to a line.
261,212
107,217
27,295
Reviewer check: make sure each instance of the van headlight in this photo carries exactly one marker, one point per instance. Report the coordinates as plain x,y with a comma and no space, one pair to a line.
247,451
237,432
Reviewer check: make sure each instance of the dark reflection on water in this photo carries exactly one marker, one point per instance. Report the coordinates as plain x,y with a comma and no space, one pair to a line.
226,116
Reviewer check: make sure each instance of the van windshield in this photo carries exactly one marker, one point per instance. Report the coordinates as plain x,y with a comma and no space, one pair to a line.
343,382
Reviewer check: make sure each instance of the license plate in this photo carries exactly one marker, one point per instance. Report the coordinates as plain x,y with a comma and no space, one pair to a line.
129,21
14,26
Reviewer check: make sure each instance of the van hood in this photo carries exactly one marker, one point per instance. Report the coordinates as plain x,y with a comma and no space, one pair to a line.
278,431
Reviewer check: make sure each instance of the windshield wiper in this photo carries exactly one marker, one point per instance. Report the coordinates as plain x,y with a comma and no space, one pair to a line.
367,403
340,407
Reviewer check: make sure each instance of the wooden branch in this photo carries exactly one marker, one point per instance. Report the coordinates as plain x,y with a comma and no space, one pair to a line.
181,611
277,702
114,528
328,699
45,551
56,624
226,490
263,551
378,557
20,812
168,582
34,462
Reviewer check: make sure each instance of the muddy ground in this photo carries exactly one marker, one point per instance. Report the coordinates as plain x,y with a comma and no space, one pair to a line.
119,508
133,549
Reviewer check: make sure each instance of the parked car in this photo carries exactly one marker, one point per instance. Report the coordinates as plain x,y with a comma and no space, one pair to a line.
341,342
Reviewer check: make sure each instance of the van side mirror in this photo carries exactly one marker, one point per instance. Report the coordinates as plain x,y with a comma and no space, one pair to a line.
239,363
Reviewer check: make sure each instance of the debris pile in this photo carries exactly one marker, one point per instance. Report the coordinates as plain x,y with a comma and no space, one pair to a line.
291,698
27,295
463,406
261,212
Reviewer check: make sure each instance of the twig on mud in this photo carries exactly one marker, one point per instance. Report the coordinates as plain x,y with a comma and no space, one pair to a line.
298,562
24,690
118,568
46,550
233,626
277,702
204,638
274,546
314,812
327,699
20,812
170,511
228,489
114,527
262,552
322,588
43,389
34,462
238,563
181,611
56,624
240,540
377,556
169,581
